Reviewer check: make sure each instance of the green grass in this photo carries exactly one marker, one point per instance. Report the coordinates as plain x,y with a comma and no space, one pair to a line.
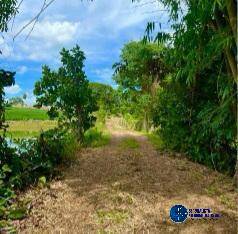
96,136
24,113
28,128
156,141
129,143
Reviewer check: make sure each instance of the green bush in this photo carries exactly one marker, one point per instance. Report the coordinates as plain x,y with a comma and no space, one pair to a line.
198,122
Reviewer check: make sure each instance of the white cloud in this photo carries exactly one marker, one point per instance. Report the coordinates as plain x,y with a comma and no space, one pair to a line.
99,27
54,31
90,24
47,38
22,69
15,89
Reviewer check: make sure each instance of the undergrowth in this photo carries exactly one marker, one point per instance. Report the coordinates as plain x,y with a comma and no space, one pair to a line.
96,136
29,162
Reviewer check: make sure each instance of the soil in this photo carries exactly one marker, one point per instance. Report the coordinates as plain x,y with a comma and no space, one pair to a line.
114,189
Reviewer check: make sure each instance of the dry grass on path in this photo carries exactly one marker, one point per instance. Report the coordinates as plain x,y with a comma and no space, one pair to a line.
116,189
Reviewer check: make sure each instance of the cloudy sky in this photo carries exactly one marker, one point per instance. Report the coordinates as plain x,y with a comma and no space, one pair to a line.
100,28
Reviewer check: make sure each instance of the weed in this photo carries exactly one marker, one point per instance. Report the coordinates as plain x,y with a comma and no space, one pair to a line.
212,190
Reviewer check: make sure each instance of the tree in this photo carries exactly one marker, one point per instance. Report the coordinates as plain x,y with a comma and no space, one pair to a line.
66,91
141,67
24,97
8,8
105,96
138,74
200,97
6,79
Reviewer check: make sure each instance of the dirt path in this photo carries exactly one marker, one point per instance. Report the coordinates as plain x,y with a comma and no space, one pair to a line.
114,189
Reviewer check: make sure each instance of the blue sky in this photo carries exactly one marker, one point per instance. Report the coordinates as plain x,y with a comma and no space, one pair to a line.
100,28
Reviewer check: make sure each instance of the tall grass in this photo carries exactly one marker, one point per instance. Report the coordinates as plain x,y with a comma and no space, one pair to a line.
156,141
97,136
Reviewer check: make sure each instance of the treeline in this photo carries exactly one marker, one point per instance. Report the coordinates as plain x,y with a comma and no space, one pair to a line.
184,84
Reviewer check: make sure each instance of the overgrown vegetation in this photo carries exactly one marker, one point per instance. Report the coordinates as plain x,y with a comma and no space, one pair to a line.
96,136
181,87
30,161
185,87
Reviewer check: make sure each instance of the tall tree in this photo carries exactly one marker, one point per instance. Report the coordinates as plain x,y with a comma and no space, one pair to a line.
67,91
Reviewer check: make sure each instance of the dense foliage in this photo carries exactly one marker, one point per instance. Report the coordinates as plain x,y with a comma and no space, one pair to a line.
6,79
196,105
66,91
8,8
138,75
105,96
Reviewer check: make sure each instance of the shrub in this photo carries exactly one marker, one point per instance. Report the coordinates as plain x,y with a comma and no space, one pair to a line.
198,122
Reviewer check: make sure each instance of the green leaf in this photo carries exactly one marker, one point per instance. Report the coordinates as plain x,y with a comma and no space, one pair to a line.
6,168
19,213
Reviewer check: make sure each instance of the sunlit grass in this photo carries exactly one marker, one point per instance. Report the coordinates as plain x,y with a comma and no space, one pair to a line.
97,136
24,113
29,128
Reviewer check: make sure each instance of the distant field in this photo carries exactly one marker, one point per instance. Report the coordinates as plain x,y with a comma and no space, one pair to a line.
23,113
28,128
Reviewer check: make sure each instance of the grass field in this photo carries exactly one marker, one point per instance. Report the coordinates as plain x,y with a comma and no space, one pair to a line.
28,128
27,122
24,113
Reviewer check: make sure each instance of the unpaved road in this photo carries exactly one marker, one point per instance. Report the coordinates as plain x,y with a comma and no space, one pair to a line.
114,189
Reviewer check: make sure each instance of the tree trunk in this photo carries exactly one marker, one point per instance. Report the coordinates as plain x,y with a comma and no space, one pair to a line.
79,127
221,24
